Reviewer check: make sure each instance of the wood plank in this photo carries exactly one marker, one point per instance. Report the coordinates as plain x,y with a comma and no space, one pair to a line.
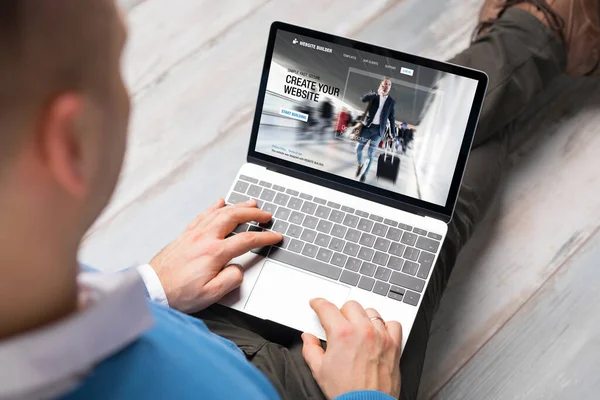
550,348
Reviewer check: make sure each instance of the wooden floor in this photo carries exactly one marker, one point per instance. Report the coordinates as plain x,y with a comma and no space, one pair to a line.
521,316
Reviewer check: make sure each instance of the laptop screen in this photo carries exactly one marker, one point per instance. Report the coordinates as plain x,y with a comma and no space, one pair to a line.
367,117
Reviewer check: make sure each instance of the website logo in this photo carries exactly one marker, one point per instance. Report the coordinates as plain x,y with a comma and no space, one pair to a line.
406,71
295,41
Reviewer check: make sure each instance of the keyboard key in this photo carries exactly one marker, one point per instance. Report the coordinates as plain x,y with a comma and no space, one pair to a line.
248,179
365,225
390,222
351,220
411,298
382,244
336,216
397,249
241,186
351,249
254,191
381,288
383,274
305,196
308,235
367,269
235,198
338,231
365,253
282,213
396,293
336,244
420,231
294,231
426,261
395,263
309,207
424,243
285,242
352,235
361,214
410,267
278,188
353,264
339,259
324,226
350,278
394,234
310,250
322,211
253,228
261,251
380,258
310,222
434,236
405,227
367,240
379,229
295,203
409,238
296,217
265,184
376,218
241,228
267,225
347,209
366,283
319,200
307,264
280,226
334,205
259,203
267,195
281,199
293,192
411,254
406,281
322,240
295,246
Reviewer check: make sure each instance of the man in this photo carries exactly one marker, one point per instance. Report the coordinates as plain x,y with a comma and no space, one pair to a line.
64,113
381,108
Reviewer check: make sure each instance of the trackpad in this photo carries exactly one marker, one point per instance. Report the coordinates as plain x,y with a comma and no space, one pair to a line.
282,294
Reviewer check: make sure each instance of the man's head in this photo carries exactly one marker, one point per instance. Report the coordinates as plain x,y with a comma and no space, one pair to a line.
385,86
403,125
63,106
64,112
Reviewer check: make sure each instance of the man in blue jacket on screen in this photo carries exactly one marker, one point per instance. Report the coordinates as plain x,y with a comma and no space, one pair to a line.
155,331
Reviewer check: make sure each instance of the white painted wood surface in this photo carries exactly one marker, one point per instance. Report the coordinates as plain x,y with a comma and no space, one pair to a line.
193,69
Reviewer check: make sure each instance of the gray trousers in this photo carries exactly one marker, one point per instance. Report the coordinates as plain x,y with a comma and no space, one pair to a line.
521,56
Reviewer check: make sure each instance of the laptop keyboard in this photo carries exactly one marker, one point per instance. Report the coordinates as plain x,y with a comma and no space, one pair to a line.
351,246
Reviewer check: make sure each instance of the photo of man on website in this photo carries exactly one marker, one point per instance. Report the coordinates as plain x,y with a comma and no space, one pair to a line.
365,117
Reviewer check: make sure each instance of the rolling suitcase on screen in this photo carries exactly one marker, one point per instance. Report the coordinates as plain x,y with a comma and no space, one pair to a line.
388,164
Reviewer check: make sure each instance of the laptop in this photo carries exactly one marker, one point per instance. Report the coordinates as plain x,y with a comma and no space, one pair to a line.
368,231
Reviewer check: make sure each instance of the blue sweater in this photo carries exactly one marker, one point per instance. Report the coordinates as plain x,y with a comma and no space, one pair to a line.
179,358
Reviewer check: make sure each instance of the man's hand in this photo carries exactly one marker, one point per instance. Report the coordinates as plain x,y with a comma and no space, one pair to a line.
193,269
361,354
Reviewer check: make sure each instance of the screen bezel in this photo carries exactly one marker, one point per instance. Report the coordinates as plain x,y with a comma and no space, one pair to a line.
349,186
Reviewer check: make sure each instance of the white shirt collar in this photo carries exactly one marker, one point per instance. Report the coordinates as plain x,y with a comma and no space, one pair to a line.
50,361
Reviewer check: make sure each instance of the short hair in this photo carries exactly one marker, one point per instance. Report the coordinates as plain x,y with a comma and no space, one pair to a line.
386,78
47,47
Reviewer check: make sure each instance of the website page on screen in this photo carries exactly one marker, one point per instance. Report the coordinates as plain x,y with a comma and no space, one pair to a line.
365,117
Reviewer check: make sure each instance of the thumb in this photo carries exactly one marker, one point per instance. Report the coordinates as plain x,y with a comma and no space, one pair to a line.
229,278
312,352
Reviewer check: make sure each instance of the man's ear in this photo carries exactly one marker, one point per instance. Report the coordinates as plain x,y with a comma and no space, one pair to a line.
60,140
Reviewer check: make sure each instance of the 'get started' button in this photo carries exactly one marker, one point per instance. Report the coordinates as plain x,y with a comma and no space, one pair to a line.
293,114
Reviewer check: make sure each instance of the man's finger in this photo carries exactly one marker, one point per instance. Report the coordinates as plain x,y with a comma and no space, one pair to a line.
329,315
229,278
211,217
241,243
228,218
395,330
354,312
220,203
312,352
